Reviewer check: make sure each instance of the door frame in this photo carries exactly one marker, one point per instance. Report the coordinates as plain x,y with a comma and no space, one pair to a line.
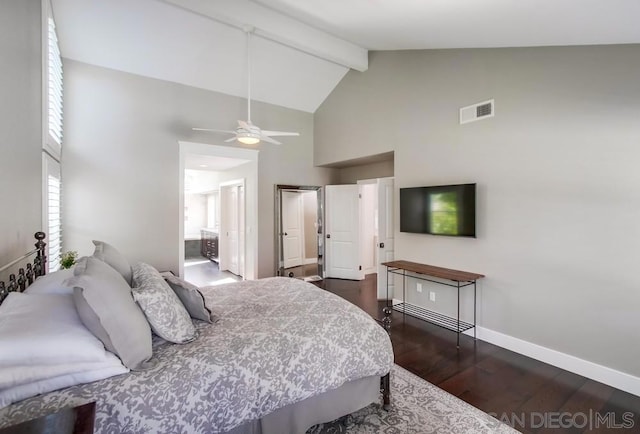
278,258
250,194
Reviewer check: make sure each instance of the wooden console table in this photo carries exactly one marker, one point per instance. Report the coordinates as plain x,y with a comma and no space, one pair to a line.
426,272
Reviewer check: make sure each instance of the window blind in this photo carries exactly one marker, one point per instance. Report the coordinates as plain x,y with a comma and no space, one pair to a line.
52,201
54,85
55,229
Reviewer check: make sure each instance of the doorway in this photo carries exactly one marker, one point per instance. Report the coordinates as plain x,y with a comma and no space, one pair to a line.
359,230
217,208
298,220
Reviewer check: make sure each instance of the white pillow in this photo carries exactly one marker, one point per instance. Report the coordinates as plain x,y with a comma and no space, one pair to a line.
12,376
18,393
51,283
43,330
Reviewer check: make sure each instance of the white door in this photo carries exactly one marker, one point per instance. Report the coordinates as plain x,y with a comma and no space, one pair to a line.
241,232
232,230
342,215
231,237
385,235
368,230
292,228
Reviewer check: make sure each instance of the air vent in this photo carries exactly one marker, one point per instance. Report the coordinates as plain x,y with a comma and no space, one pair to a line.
476,112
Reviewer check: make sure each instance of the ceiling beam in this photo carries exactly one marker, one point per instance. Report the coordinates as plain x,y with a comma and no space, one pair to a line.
280,28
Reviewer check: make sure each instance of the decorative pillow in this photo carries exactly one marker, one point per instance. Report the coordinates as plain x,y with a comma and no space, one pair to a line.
191,298
105,306
109,254
164,310
51,283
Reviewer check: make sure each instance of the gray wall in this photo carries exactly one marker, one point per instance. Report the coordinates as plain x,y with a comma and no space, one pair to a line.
352,174
120,164
20,127
557,174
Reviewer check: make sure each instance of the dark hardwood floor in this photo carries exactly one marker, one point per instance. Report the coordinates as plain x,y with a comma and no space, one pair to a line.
531,396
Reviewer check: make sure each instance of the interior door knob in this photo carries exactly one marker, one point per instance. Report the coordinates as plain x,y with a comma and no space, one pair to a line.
285,234
382,245
328,235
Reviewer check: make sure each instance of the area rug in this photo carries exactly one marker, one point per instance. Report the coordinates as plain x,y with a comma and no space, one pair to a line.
417,407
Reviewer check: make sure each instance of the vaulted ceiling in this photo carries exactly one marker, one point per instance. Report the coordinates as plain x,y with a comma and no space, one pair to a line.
303,48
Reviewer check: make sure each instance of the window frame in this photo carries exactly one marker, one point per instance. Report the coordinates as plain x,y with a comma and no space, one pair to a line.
51,145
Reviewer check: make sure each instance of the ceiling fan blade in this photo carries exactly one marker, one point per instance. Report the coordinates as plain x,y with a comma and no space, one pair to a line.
232,139
269,140
279,133
212,130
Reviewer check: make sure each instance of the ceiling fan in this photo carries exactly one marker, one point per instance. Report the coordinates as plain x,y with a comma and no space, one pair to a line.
247,133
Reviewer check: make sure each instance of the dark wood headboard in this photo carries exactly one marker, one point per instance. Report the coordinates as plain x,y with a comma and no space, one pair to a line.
26,277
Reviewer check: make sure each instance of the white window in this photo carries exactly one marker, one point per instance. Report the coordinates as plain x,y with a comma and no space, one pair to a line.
53,92
52,141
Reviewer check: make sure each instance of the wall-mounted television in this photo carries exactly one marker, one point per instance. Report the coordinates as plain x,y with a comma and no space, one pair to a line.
439,210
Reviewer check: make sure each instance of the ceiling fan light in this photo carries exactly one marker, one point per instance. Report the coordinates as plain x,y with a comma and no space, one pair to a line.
248,138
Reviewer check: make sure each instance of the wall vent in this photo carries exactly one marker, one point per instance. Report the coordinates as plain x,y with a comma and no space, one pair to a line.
476,112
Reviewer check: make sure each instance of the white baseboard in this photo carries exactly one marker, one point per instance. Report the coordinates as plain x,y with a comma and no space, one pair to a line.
619,380
308,261
603,374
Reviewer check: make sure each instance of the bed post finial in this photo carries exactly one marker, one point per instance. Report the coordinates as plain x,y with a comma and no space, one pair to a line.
41,258
39,236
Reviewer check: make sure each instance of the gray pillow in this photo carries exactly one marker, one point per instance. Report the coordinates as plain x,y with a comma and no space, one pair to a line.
105,306
191,298
109,254
162,307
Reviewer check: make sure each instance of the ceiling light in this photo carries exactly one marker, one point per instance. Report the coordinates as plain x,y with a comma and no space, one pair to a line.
248,138
203,165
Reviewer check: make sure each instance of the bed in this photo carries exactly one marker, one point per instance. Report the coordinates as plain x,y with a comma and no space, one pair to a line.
282,356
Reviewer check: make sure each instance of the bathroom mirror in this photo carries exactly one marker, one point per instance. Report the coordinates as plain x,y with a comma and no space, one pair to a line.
299,232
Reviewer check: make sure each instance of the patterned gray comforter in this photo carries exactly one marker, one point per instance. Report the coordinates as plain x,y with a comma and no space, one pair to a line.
277,342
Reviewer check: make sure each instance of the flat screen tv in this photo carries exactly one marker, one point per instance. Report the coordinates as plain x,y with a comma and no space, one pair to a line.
439,210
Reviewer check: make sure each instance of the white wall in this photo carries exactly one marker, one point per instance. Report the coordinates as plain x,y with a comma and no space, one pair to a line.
121,160
200,181
213,210
557,174
20,127
195,214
